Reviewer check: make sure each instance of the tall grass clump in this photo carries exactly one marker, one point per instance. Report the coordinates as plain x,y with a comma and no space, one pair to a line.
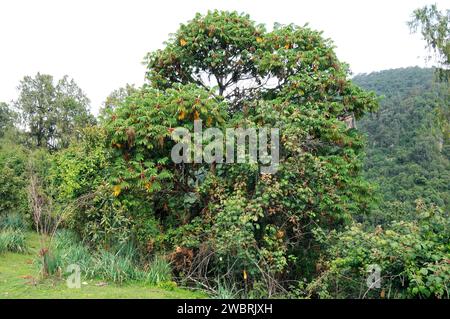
158,271
65,249
226,290
13,241
116,267
71,250
118,264
13,221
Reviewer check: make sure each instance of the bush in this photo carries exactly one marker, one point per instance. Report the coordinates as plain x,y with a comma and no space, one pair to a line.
12,240
66,249
13,162
71,251
413,258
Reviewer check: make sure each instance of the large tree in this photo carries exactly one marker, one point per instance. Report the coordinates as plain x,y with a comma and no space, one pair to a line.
228,71
50,111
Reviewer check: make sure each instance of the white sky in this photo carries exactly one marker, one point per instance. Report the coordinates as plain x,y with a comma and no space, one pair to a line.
101,43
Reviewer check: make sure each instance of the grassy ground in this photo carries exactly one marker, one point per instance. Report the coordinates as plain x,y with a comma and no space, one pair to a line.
19,278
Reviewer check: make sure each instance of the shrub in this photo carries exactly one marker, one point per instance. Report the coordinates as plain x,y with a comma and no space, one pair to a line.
3,244
106,222
13,161
49,264
413,258
72,251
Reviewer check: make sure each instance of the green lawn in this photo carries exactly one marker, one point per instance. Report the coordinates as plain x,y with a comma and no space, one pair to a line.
19,278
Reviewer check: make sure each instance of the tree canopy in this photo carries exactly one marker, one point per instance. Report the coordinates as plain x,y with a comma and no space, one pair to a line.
229,71
51,112
434,26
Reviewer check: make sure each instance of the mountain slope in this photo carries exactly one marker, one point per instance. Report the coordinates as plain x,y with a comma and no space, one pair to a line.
408,149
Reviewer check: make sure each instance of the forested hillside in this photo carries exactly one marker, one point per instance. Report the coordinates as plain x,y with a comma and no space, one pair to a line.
407,141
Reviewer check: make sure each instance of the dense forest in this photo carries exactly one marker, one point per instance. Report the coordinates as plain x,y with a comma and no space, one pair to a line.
356,208
407,141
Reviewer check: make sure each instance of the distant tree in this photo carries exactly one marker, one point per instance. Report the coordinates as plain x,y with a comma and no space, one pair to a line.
36,107
72,111
434,25
52,112
6,118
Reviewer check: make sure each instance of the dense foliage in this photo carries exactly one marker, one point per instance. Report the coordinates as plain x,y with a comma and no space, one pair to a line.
13,164
413,257
6,118
408,141
341,199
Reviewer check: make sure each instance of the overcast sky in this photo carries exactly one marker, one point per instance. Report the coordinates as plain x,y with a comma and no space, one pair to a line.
101,44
